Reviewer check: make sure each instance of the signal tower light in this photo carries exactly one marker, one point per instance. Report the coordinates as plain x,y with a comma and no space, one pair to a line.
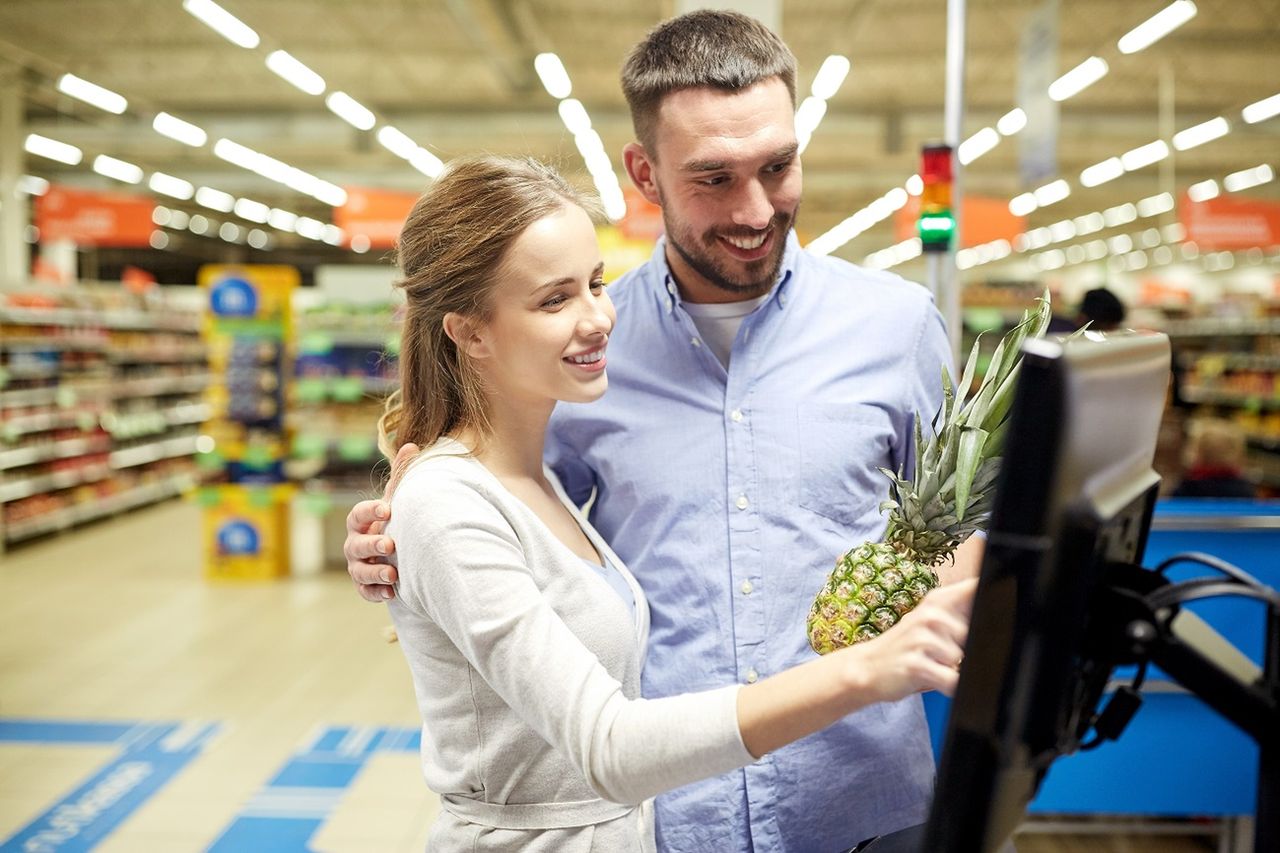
937,224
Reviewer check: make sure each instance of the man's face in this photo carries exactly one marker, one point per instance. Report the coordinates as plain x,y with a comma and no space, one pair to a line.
728,178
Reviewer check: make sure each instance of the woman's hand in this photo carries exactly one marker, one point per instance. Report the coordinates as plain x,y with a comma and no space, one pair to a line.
922,652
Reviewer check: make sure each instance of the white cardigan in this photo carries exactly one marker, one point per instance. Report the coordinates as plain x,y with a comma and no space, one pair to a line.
526,666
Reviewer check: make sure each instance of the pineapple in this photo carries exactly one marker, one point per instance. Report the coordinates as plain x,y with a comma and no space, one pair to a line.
930,514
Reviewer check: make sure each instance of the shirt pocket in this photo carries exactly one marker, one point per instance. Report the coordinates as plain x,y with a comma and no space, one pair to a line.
842,448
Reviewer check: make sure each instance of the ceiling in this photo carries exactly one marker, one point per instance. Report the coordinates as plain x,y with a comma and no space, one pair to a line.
457,76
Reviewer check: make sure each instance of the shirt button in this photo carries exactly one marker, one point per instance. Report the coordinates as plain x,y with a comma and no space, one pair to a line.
695,342
747,587
670,304
752,676
782,299
671,288
736,414
741,502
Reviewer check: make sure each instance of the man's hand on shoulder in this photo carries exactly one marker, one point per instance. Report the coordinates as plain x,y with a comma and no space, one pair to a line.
366,547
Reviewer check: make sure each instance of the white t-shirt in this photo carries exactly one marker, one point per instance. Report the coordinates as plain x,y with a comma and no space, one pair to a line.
718,323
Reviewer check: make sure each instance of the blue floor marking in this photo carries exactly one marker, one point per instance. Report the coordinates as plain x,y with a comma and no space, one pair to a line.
285,813
150,755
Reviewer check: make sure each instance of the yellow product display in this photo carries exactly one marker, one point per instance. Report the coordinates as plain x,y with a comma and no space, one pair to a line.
246,531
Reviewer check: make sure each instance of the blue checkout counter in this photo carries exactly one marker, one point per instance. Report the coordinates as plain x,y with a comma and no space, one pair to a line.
1177,758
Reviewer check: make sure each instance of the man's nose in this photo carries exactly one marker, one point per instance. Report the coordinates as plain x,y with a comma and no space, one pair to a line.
753,208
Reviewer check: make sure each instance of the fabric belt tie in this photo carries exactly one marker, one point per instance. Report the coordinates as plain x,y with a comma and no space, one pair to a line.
526,816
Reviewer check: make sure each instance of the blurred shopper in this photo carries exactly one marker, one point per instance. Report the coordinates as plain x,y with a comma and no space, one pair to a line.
524,632
1214,461
755,391
1101,309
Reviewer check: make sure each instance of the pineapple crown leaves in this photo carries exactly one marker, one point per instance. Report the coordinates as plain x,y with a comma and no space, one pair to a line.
958,466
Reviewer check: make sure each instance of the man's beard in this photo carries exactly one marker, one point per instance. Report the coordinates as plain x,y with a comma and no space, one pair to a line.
760,275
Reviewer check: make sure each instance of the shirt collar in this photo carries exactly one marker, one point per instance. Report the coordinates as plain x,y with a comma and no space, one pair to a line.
669,294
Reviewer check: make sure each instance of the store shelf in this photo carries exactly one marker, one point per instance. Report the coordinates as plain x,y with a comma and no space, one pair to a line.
45,452
1222,327
160,356
153,452
161,386
53,344
1231,361
18,489
63,519
50,395
124,320
43,422
1210,397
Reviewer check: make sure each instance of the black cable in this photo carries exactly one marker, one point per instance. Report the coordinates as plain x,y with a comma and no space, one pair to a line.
1181,593
1212,562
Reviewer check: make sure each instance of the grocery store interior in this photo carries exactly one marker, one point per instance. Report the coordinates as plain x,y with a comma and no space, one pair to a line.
199,204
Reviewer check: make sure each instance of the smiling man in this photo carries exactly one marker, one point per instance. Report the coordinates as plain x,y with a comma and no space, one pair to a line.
755,390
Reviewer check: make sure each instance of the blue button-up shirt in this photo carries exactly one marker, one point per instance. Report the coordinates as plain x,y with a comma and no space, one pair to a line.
731,492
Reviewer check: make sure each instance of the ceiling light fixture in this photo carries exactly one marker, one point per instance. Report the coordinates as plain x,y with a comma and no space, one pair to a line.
288,68
179,130
1157,26
553,75
222,22
92,93
118,169
1079,78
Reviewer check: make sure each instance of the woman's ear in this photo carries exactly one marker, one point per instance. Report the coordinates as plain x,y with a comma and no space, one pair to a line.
467,335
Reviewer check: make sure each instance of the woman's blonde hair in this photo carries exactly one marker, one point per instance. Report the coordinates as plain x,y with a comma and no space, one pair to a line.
450,253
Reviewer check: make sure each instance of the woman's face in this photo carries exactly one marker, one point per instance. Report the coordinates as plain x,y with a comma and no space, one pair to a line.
550,322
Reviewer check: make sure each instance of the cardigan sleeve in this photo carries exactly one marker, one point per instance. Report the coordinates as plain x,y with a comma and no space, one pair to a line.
461,566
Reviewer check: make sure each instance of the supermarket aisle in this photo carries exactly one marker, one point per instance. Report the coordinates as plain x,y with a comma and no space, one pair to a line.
291,721
114,624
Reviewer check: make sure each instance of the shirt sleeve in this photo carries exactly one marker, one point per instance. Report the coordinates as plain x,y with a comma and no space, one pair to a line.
923,372
462,566
576,476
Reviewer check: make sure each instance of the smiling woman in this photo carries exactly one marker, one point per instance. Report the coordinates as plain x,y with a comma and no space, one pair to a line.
524,632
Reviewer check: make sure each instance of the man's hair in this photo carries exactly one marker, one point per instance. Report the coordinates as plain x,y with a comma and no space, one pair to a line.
716,49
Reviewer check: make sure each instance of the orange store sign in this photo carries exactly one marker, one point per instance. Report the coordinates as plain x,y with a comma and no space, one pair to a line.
89,218
377,214
1231,223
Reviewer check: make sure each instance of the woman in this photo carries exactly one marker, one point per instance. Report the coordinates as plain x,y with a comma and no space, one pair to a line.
524,632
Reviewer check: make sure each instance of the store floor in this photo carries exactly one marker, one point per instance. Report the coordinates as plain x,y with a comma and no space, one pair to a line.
144,709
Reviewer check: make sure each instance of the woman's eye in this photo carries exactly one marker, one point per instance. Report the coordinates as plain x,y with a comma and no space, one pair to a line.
598,284
555,301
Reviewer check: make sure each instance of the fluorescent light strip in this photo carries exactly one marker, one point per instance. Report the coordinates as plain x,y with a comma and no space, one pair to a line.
118,169
1185,140
1052,193
282,220
1203,191
215,199
275,170
977,145
92,93
1022,205
254,211
1100,173
1155,205
553,75
171,186
1078,79
351,111
1248,178
808,117
1261,110
52,149
574,115
223,22
426,163
1157,26
1012,122
1144,155
396,141
32,185
179,130
288,68
830,77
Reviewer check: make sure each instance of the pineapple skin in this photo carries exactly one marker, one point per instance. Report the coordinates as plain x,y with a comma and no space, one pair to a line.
869,590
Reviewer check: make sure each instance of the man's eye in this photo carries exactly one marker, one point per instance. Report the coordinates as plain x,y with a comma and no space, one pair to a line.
714,182
779,167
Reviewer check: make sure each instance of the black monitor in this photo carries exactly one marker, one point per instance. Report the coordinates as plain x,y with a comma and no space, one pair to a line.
1075,499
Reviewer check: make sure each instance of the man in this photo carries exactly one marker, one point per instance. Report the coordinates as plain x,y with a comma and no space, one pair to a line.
754,391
